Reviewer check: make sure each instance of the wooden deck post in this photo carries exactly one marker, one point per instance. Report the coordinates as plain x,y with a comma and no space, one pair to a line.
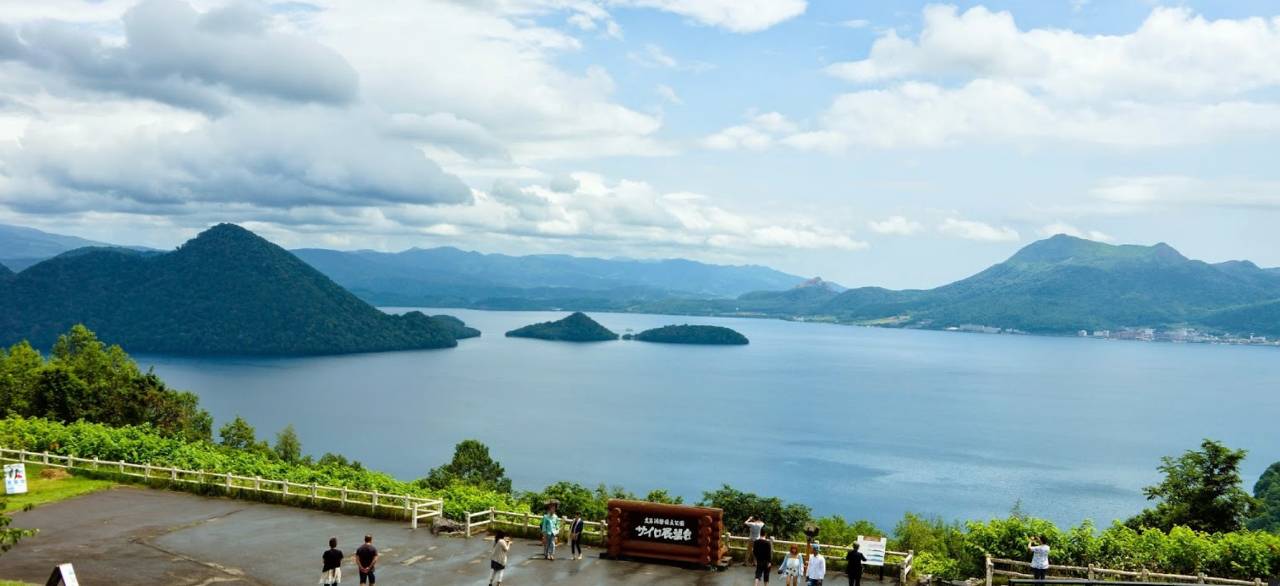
990,570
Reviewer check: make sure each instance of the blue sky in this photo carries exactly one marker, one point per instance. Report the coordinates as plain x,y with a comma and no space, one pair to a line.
890,143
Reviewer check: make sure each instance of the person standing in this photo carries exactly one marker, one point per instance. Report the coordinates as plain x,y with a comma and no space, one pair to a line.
762,551
754,527
817,566
792,567
550,529
575,537
855,559
498,559
1039,556
367,560
331,574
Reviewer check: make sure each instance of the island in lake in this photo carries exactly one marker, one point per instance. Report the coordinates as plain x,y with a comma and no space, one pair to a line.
687,334
577,327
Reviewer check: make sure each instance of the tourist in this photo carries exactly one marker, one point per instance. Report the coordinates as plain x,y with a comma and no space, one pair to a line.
817,566
331,574
762,551
754,527
550,529
498,559
792,567
366,560
1039,556
575,536
855,559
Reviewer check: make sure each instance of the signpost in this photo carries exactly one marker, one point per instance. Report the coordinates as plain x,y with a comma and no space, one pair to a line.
873,548
15,478
675,533
63,575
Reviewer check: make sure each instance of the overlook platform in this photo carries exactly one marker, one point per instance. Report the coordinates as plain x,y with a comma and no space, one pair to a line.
138,535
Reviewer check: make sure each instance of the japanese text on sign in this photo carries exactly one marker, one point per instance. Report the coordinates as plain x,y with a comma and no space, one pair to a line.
664,529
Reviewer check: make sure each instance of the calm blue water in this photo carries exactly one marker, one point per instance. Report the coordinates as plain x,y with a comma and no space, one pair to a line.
867,423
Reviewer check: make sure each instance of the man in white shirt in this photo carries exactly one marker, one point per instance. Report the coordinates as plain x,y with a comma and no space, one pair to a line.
817,567
754,527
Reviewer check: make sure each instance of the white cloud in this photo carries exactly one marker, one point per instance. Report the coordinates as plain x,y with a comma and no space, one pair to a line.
1065,228
856,23
895,225
1143,193
740,16
653,56
760,132
973,230
668,94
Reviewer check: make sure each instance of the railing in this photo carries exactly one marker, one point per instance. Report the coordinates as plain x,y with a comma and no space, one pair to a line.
1095,574
783,546
414,507
491,517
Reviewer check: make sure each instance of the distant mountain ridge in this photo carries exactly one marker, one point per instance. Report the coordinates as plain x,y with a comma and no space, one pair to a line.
21,247
227,291
451,277
1058,285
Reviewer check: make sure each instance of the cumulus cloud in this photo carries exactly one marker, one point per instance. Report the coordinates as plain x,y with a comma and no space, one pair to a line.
653,56
759,132
740,16
1070,230
178,56
974,230
895,225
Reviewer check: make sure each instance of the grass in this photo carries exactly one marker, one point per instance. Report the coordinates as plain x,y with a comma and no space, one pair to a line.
42,491
12,583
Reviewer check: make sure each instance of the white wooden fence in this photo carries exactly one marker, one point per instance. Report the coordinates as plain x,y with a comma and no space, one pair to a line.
414,507
491,517
783,546
1096,573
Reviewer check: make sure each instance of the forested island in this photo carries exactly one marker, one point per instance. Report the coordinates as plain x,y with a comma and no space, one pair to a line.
225,292
687,334
577,327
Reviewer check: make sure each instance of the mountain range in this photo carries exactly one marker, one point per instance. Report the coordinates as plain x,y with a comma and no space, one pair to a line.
21,247
227,291
1054,286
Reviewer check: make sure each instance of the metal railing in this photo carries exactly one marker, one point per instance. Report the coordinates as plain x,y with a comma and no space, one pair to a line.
414,507
1095,574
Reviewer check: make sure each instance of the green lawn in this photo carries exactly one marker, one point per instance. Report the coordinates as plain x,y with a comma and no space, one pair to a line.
41,491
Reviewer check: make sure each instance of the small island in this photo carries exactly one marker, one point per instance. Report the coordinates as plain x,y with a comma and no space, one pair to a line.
577,327
687,334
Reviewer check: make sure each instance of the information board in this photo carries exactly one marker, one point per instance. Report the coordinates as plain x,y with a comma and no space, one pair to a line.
15,478
678,533
873,549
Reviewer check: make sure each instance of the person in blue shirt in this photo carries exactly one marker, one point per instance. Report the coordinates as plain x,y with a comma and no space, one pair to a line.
550,529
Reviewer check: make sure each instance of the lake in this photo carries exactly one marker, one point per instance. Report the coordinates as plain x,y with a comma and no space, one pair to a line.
862,422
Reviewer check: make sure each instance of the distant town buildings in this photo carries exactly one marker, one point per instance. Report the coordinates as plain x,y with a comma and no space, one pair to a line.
1176,335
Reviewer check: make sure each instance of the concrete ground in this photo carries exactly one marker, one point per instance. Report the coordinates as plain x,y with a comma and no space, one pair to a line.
158,537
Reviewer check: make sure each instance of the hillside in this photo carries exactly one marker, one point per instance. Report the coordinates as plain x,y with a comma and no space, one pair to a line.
576,327
227,291
452,277
22,247
4,271
687,334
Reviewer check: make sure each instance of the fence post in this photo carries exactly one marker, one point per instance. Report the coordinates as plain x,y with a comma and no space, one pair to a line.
46,457
257,483
173,474
373,503
1090,574
1146,575
22,456
122,467
344,496
990,567
146,472
95,463
491,515
468,524
284,488
313,493
228,479
1200,577
413,523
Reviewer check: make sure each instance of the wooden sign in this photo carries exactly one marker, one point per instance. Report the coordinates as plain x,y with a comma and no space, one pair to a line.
675,533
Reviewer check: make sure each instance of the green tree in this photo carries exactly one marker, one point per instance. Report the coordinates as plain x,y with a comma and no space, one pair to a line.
238,434
18,371
659,495
10,537
288,447
1201,490
471,465
1267,491
782,519
60,394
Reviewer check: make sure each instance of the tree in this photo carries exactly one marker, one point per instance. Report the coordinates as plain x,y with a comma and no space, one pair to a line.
18,368
1267,491
10,537
238,434
783,520
288,447
1201,490
471,465
660,495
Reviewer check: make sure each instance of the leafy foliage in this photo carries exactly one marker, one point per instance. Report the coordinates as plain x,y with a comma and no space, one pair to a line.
227,291
687,334
288,447
11,537
86,379
238,434
471,465
576,499
780,518
1267,493
576,327
1201,490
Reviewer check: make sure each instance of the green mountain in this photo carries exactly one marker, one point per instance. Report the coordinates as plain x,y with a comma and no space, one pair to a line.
1057,285
451,277
4,271
687,334
576,327
227,291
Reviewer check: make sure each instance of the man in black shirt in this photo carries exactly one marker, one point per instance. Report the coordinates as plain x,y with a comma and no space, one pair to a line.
855,559
332,563
366,559
762,551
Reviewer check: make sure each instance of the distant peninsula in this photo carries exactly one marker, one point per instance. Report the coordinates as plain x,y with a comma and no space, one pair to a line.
577,327
687,334
225,292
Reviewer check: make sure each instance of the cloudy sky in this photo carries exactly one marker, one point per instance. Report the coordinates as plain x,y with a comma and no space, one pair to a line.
871,142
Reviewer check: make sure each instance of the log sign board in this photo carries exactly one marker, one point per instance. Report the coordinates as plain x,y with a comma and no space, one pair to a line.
675,533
